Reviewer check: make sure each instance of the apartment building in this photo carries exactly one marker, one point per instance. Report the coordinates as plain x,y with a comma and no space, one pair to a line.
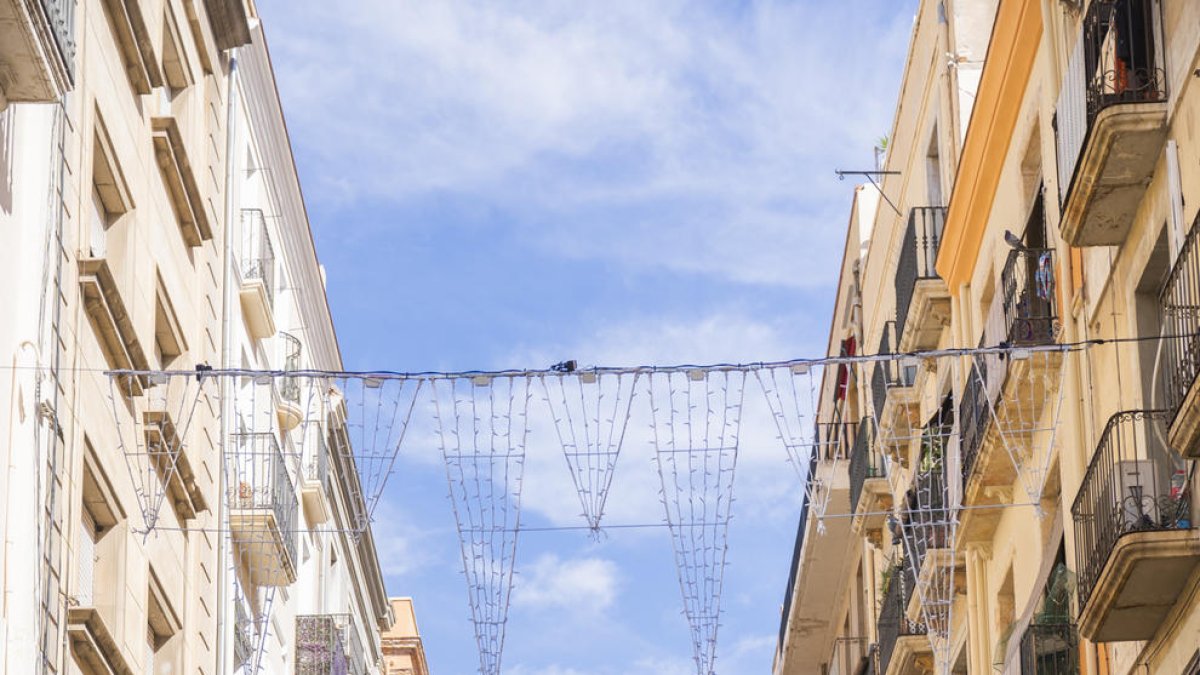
402,649
1040,516
151,219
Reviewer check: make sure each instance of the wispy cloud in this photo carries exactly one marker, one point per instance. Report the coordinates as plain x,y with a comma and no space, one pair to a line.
584,585
671,134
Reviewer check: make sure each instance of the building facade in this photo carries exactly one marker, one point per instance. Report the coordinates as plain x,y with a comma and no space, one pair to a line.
1044,179
403,653
151,219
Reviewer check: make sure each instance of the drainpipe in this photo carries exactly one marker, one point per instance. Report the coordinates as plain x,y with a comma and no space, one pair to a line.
223,596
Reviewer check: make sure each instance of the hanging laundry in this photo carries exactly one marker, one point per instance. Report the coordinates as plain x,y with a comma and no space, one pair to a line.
1044,276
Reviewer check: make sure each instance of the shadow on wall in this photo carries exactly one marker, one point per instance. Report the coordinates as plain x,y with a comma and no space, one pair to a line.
6,160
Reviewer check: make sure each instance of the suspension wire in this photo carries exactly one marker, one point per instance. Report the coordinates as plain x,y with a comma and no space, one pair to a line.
753,366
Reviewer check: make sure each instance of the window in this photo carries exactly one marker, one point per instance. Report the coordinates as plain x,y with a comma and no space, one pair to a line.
169,342
151,648
933,170
98,228
85,561
177,69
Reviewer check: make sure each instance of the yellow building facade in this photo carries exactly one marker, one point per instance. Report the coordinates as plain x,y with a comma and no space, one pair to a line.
403,653
1028,509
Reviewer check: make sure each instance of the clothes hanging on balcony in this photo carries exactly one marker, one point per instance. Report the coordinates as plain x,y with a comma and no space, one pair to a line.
843,372
1044,276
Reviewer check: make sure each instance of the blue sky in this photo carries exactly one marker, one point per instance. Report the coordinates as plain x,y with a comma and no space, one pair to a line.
514,184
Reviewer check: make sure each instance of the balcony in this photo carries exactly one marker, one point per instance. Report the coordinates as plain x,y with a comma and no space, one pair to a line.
258,275
814,591
922,300
893,393
1111,120
833,440
328,644
903,644
1180,310
243,635
1134,544
1050,649
230,21
37,50
314,477
869,494
1029,289
288,408
263,508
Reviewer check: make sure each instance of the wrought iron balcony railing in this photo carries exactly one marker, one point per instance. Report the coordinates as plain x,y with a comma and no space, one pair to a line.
833,440
289,388
1180,309
918,257
925,512
1050,649
316,455
798,548
974,415
1121,55
893,619
243,631
258,255
1029,291
328,644
61,17
260,482
865,461
1133,484
888,374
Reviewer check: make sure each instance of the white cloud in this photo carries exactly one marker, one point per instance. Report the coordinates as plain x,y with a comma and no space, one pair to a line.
400,542
663,135
766,486
582,585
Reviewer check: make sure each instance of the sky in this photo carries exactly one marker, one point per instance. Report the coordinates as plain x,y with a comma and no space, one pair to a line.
626,182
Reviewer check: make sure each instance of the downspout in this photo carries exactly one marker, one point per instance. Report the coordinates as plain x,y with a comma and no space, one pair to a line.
223,599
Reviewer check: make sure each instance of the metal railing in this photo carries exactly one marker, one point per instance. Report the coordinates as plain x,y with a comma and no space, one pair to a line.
918,257
797,550
893,620
1050,649
1029,291
315,466
888,374
1116,60
833,440
60,15
260,481
243,631
289,387
974,415
258,255
1121,61
1133,484
328,644
925,513
1179,302
865,461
